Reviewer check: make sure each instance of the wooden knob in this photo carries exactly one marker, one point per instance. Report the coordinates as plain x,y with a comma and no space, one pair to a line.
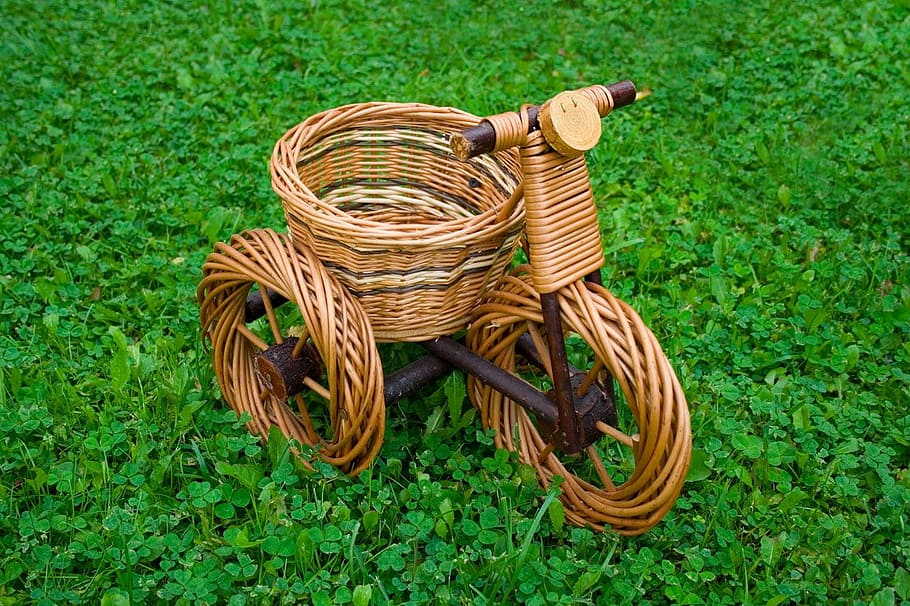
570,123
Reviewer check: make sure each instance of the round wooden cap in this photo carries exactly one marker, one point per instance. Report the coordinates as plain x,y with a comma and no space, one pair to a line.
570,123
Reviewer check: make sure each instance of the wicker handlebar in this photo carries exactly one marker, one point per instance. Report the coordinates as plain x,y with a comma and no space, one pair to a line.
508,130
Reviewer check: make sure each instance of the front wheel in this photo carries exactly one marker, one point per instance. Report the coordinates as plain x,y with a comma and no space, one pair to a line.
630,477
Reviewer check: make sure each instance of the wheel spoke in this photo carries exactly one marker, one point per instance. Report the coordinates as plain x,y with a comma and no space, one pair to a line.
599,468
305,416
251,337
615,434
270,312
319,389
541,347
302,332
298,348
545,453
590,378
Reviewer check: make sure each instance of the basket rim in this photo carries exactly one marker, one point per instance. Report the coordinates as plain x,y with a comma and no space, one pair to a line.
300,201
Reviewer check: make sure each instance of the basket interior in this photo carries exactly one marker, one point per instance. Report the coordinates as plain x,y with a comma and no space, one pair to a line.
401,175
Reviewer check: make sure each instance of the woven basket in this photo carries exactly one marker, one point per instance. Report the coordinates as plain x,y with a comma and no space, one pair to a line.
406,226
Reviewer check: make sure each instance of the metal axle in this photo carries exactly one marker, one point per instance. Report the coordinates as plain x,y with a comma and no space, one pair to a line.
565,419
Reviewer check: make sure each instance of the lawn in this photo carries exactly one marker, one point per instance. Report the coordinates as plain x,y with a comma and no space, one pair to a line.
754,208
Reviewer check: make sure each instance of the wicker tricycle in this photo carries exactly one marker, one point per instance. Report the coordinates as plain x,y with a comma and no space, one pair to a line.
404,222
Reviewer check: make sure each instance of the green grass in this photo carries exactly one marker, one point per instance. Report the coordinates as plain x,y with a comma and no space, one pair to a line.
755,205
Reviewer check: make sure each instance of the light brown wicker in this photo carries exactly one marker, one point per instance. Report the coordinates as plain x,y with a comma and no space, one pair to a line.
621,345
409,228
562,231
332,321
393,238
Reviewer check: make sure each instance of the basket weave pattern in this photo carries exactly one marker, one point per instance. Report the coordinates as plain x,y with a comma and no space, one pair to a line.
410,229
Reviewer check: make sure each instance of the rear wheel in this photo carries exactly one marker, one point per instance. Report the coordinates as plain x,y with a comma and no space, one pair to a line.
340,410
630,477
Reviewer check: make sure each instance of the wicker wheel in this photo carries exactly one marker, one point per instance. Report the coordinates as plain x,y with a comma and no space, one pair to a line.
342,415
606,486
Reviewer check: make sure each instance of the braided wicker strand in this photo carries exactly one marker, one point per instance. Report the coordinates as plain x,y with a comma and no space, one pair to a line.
334,322
601,96
511,128
561,218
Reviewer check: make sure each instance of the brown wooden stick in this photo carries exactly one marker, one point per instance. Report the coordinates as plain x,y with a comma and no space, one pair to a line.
590,378
270,312
481,139
322,391
252,337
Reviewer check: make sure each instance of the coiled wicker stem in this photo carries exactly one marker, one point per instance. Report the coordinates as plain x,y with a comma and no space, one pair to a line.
333,322
623,346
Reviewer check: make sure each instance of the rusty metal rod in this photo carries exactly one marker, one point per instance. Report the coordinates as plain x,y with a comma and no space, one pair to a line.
568,426
413,376
518,390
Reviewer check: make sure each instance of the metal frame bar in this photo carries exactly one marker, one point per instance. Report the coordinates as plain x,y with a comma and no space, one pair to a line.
567,426
517,389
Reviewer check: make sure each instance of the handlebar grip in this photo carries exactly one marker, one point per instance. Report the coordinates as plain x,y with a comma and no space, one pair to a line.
481,139
622,94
